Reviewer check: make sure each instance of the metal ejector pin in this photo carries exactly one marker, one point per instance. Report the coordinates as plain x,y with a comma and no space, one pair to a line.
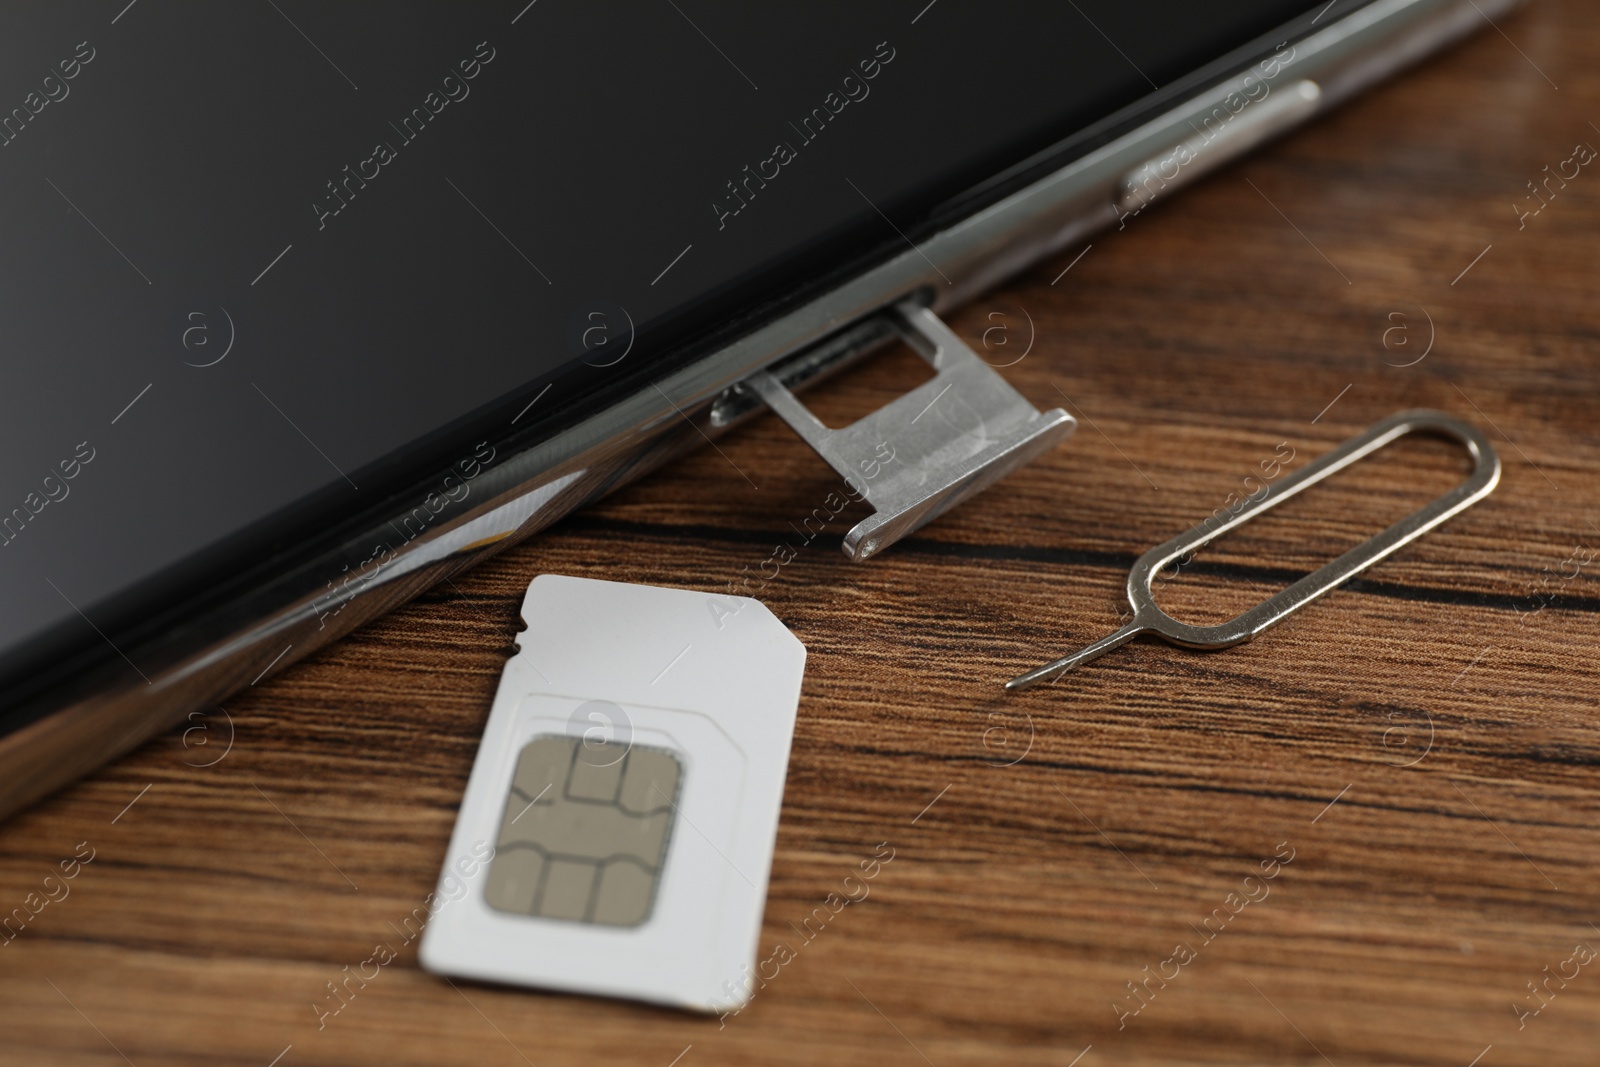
1147,618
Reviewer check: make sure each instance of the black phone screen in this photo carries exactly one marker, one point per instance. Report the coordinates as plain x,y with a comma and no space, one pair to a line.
260,258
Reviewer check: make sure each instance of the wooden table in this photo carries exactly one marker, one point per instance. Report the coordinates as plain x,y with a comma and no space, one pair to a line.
1424,744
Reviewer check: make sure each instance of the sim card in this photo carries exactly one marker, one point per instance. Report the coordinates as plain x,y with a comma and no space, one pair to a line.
626,794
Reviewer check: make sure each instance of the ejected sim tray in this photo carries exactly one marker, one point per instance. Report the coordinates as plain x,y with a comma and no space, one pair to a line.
628,782
1148,618
928,450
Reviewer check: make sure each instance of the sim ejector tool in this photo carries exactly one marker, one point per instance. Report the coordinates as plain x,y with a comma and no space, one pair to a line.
1267,614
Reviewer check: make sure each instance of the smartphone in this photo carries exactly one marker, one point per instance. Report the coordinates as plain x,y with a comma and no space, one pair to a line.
309,306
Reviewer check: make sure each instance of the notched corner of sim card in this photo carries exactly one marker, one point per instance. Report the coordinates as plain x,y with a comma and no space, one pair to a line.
543,585
728,611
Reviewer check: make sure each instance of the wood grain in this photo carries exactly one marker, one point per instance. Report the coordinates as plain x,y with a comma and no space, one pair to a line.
1079,832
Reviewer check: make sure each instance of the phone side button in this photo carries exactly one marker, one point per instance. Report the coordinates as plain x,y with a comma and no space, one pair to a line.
1235,125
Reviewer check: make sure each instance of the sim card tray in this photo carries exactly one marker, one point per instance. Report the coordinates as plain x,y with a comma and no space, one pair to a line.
931,448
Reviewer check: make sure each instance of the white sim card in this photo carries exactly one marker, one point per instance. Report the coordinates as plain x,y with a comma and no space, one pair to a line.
628,784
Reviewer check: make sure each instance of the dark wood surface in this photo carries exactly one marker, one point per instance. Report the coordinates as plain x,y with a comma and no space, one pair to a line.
1077,833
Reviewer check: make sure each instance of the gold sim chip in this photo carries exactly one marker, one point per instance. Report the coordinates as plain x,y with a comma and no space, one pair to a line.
584,832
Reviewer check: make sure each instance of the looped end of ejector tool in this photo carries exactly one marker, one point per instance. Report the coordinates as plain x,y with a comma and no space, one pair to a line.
1148,618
